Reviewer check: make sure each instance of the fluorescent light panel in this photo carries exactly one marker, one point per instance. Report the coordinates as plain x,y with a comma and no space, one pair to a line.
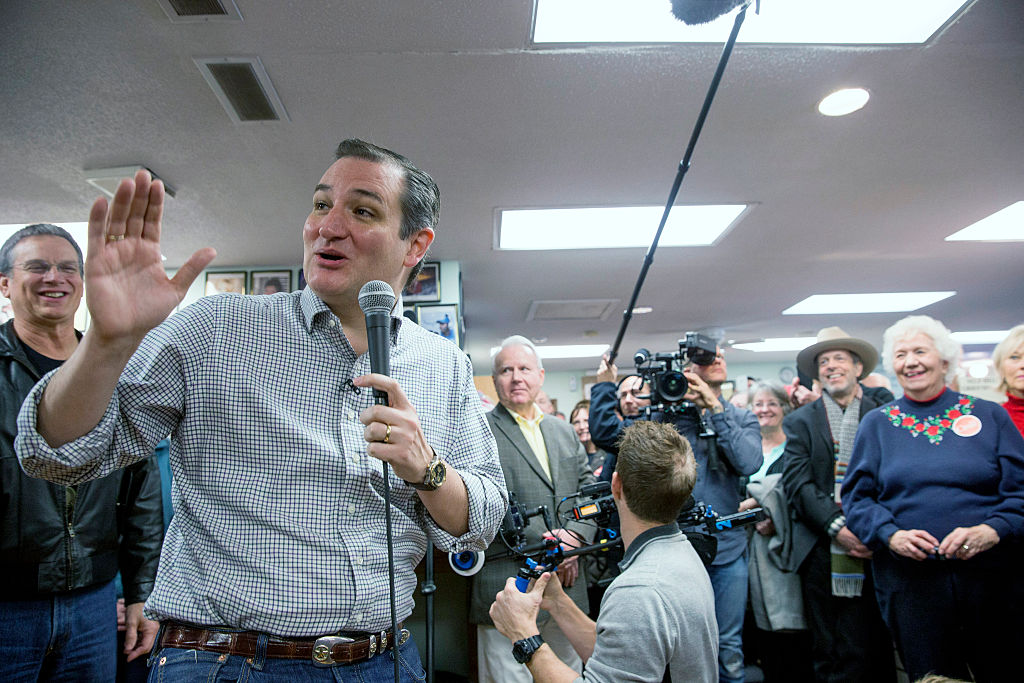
883,302
565,351
614,227
777,344
1005,225
843,102
866,22
980,336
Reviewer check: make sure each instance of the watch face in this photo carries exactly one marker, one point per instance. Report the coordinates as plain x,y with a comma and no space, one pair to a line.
437,473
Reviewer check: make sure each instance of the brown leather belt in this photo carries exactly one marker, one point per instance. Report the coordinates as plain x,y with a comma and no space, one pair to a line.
323,651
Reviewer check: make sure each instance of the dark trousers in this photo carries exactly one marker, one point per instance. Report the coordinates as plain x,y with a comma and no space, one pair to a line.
850,642
952,617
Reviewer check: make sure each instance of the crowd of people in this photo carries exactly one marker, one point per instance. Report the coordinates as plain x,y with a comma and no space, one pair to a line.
890,526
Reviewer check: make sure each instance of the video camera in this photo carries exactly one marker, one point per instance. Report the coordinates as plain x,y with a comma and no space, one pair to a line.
663,373
594,503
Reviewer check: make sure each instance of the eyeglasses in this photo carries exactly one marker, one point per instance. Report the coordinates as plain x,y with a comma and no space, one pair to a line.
766,404
44,267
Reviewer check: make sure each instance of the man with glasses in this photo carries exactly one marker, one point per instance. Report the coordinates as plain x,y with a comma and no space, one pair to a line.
61,546
850,641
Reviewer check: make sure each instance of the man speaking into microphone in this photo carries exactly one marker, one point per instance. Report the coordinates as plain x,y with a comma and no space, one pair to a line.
276,559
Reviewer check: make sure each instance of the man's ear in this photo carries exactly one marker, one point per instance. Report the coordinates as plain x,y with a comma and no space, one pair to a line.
418,245
5,285
616,486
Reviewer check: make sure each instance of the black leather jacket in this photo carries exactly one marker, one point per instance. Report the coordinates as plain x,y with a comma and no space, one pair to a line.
58,538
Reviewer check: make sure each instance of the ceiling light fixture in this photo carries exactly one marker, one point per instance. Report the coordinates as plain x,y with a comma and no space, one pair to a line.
614,227
790,22
882,302
843,102
776,344
980,336
1005,225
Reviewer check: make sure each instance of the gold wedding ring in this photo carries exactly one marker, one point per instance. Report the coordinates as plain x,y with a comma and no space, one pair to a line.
965,547
115,238
387,434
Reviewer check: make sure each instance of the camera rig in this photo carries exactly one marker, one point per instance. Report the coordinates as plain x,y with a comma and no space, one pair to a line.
593,504
663,373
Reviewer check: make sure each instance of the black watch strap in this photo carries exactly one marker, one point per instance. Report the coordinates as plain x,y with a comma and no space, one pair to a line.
523,649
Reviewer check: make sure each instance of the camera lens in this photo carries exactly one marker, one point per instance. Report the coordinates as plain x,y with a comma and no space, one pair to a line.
671,386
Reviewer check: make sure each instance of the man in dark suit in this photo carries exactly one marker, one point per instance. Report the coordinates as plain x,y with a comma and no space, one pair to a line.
543,462
850,641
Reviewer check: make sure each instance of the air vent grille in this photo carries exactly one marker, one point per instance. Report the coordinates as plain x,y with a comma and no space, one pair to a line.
572,309
243,88
191,11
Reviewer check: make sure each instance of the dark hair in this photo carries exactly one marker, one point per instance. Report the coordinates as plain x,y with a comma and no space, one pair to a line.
580,405
421,200
274,282
657,470
35,230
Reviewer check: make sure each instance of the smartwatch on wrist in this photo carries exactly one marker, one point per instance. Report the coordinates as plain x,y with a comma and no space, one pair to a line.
523,649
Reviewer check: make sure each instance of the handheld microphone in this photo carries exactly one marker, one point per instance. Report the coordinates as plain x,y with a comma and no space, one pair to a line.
376,299
703,11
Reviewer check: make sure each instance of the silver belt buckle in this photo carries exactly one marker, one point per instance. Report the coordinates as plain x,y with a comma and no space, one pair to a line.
323,649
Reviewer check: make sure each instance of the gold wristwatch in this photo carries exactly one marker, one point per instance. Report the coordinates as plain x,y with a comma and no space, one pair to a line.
433,477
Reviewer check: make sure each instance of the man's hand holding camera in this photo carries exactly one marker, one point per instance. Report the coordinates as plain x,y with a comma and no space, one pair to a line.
700,394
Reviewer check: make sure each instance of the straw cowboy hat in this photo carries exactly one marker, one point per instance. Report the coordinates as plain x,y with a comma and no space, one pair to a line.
834,338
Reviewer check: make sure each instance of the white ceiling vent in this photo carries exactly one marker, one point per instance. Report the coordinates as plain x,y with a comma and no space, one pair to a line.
106,180
572,309
243,88
185,11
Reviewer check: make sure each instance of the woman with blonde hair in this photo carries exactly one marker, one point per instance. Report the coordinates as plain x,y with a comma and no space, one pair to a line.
935,487
1008,358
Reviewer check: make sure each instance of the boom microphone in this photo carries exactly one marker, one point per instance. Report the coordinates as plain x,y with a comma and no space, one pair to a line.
703,11
376,299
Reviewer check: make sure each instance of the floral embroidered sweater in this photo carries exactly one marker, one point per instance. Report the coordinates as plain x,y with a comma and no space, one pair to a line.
953,461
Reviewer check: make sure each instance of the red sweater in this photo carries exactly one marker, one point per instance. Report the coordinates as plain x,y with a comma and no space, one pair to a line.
1015,407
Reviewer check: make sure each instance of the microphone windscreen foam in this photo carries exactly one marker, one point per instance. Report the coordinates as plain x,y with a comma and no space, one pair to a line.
376,296
703,11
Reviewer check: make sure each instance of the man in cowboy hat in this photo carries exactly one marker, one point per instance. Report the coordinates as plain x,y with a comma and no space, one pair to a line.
850,640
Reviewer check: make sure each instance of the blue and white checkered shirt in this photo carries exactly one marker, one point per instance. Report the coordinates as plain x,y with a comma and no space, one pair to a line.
279,510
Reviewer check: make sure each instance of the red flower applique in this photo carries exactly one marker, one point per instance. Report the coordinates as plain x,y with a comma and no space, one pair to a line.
907,421
954,413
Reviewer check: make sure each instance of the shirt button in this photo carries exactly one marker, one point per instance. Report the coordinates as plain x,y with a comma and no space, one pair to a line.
352,508
358,561
351,414
358,616
332,322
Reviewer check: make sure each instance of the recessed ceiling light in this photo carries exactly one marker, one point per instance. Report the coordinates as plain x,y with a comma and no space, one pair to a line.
843,102
614,227
871,22
777,344
641,310
566,351
1005,225
980,336
883,302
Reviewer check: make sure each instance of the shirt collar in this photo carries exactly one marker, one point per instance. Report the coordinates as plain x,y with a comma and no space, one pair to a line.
652,534
314,307
526,421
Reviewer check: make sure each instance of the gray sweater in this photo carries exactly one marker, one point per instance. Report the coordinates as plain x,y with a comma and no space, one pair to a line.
658,613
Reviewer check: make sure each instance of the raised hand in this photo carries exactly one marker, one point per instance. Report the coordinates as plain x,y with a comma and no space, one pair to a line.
126,288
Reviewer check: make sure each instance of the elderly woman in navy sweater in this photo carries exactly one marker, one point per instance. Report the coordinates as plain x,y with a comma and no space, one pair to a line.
935,486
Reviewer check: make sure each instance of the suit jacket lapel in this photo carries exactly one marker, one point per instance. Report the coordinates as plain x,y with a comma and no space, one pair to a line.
511,430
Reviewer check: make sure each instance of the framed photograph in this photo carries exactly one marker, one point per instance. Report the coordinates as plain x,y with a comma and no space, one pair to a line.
441,319
426,286
270,281
219,283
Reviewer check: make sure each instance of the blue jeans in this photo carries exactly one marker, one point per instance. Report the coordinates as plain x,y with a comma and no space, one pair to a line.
730,584
67,636
173,664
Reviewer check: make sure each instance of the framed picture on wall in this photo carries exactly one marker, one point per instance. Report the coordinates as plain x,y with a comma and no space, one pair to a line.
220,283
426,286
441,319
270,281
